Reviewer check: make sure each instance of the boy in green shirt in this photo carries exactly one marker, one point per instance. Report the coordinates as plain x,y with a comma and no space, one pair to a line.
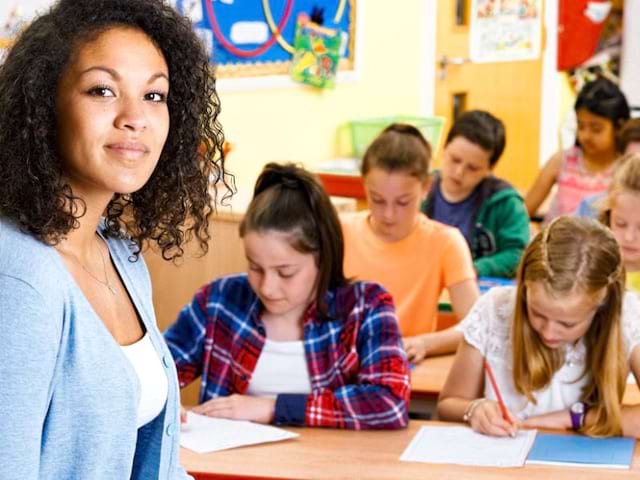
489,212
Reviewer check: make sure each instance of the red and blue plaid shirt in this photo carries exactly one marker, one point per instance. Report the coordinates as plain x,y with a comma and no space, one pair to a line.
357,367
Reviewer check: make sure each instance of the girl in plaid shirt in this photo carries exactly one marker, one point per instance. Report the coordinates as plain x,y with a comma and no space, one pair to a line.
292,341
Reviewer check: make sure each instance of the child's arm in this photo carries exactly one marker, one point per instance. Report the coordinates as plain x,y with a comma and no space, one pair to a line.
542,186
185,338
463,296
377,396
561,419
431,344
462,396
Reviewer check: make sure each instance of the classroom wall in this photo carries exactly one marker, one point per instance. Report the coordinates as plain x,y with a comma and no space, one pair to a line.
26,8
550,109
630,53
297,123
275,119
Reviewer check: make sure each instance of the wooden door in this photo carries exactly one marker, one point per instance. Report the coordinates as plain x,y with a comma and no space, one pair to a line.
509,90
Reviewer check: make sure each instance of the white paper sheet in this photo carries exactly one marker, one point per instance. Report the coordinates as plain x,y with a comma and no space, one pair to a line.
206,434
463,446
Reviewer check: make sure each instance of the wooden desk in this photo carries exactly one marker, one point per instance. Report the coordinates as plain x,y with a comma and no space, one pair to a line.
428,377
337,454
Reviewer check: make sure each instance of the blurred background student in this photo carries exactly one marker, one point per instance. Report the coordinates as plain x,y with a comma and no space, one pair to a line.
587,167
394,244
620,211
560,343
487,210
628,142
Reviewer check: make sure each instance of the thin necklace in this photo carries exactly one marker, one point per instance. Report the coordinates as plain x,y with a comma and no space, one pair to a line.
104,282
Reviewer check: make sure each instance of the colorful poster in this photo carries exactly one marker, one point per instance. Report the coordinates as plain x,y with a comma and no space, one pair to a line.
505,30
317,51
256,37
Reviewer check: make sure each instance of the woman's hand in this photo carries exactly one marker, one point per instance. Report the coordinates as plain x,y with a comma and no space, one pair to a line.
487,418
416,347
239,407
559,420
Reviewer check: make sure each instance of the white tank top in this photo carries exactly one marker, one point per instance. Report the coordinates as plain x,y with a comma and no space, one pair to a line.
281,368
153,379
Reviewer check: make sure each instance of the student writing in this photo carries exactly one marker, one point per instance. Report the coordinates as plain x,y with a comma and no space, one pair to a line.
293,341
560,343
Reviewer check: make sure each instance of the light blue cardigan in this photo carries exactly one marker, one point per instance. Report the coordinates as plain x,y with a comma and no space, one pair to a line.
68,395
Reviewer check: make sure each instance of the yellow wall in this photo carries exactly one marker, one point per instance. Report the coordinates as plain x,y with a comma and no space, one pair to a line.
301,124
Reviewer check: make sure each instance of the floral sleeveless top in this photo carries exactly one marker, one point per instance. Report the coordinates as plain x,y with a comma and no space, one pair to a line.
575,183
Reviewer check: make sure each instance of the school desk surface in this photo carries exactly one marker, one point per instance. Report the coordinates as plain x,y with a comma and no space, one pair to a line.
371,455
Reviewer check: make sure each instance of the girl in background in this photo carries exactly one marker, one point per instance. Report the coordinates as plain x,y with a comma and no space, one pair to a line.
628,142
587,167
560,344
293,341
621,213
394,244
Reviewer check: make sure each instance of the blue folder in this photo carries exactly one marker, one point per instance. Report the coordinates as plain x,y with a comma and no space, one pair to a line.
580,451
486,283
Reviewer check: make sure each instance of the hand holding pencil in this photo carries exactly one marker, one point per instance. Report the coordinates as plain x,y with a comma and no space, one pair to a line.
492,417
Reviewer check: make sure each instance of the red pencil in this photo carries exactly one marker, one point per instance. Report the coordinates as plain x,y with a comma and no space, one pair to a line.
494,385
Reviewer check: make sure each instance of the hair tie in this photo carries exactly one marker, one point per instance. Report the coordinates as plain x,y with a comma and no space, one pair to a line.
615,275
291,183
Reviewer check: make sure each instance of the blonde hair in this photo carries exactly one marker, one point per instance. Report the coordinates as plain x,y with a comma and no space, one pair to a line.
575,254
625,179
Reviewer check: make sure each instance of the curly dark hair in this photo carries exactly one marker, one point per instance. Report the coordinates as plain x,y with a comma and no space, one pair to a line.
177,201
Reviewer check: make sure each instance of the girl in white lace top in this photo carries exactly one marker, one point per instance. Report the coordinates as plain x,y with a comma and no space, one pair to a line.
560,344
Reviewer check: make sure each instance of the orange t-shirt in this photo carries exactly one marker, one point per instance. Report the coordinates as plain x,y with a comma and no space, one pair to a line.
414,270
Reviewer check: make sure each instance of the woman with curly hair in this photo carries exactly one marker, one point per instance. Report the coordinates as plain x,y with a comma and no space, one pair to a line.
108,139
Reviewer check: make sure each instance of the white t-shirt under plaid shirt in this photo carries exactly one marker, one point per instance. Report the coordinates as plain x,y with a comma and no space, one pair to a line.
488,328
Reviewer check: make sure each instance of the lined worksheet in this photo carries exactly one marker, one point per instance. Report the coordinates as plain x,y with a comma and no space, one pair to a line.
206,434
463,446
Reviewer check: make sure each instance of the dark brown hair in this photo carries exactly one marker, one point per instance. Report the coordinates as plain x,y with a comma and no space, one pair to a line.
482,129
289,199
399,148
604,98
